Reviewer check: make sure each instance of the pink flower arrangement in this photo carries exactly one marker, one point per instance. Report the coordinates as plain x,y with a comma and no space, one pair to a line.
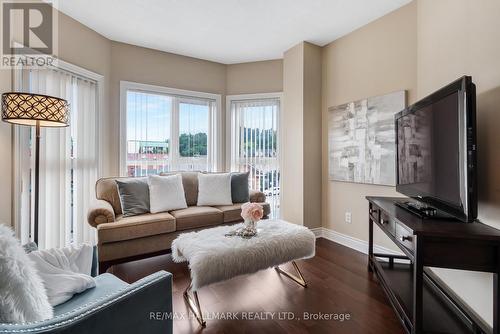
252,212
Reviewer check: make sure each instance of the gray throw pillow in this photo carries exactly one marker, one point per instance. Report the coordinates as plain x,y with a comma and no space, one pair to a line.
240,192
134,196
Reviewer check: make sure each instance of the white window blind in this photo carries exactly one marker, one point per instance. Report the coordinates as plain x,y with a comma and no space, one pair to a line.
254,145
68,161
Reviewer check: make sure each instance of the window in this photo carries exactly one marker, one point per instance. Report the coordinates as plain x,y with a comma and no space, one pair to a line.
148,133
68,158
254,143
168,130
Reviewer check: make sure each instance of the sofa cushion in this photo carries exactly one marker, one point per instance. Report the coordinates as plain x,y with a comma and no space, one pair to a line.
231,213
105,285
122,249
190,184
197,216
140,226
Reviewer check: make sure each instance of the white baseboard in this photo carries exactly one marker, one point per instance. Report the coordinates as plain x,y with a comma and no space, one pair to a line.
351,242
318,231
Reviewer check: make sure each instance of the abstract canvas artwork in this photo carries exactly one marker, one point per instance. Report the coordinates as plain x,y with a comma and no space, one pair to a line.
361,139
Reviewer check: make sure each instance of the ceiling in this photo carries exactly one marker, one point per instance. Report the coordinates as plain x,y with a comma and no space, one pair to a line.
226,31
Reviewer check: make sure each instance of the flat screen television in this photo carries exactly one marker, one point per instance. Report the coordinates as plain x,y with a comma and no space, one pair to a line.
436,152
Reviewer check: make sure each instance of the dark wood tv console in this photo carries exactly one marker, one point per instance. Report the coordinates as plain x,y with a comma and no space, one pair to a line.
421,301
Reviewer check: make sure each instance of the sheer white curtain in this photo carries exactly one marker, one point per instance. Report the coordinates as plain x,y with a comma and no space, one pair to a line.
254,145
68,162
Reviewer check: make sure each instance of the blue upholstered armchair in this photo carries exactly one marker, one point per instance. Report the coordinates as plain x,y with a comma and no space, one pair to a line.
113,306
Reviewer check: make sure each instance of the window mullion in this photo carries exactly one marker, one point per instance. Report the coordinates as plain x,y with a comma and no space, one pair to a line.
174,134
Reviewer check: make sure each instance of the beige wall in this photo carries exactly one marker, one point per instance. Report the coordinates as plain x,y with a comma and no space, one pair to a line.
312,135
255,77
301,138
377,59
147,66
6,161
455,38
292,195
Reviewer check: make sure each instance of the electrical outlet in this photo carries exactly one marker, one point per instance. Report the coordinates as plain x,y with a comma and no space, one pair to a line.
348,217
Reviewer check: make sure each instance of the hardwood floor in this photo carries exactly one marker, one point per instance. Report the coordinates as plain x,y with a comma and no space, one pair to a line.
338,282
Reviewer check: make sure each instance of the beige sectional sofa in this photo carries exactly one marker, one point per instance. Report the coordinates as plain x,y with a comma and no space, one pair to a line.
122,239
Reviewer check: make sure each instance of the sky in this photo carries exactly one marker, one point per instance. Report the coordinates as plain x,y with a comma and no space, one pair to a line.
148,117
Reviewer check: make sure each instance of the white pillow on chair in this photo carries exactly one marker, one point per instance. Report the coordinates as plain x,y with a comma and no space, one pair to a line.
214,189
166,193
23,295
64,271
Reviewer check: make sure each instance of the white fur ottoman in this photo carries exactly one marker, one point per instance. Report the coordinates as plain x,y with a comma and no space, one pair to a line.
213,257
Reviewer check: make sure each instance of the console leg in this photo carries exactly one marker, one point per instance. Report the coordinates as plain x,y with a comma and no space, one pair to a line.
496,308
418,282
370,240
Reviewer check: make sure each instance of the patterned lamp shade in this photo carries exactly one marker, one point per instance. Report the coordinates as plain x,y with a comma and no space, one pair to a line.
30,109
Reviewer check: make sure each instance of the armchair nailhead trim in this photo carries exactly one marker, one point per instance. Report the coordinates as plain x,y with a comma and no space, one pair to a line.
139,285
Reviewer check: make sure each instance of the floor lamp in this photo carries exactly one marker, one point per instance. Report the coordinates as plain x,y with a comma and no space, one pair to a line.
39,111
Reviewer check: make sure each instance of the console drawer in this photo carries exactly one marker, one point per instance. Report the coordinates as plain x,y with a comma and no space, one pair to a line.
387,223
405,237
374,212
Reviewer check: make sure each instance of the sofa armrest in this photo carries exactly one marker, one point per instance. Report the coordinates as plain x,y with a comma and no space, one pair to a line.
142,307
257,196
100,212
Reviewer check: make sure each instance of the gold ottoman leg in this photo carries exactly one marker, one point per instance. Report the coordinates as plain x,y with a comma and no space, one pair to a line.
297,279
194,305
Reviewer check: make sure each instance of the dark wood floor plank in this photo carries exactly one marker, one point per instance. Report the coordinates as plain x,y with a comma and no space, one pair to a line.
338,282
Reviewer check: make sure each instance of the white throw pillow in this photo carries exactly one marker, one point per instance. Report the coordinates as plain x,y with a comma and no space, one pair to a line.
64,271
166,193
22,294
214,189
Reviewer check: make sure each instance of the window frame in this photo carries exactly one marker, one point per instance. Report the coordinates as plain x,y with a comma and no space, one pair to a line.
179,93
